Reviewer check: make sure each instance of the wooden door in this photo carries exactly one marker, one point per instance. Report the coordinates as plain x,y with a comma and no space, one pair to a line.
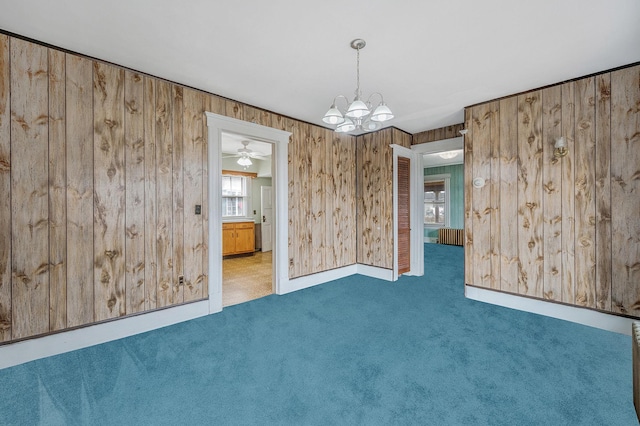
404,215
228,238
266,206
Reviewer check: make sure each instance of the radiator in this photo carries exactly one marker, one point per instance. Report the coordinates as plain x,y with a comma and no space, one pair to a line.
635,354
454,237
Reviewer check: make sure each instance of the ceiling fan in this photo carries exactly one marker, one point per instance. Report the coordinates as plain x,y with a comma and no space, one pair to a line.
245,152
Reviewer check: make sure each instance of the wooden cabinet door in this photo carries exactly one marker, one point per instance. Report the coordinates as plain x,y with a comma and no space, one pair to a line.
228,239
245,238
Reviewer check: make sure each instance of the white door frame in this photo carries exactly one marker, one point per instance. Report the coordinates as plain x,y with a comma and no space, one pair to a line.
416,245
217,125
432,148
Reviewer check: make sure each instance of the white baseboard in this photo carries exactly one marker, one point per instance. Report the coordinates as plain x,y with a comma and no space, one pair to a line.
432,240
375,272
54,344
307,281
584,316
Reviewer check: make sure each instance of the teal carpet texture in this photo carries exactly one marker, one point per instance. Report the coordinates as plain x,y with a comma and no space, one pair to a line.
355,351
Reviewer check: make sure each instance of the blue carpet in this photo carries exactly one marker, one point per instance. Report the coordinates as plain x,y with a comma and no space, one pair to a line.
353,351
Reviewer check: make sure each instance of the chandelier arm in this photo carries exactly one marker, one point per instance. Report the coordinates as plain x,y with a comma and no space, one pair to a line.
371,96
346,100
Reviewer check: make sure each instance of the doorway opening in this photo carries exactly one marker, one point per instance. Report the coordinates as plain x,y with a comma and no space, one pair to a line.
247,218
217,125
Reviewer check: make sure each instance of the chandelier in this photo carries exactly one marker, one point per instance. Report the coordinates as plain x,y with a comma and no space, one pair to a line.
357,115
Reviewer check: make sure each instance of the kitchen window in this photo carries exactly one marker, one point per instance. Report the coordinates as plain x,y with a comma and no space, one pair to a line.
235,196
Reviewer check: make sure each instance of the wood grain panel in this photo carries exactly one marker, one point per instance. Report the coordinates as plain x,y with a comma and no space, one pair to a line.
164,184
79,153
343,203
282,123
433,135
585,253
215,104
568,195
134,181
469,173
150,195
318,198
294,169
552,193
256,115
29,189
365,165
193,154
57,193
205,207
530,226
331,163
377,180
178,196
402,138
305,217
603,192
234,109
348,199
494,200
5,189
361,211
508,205
109,191
625,190
374,194
481,198
386,200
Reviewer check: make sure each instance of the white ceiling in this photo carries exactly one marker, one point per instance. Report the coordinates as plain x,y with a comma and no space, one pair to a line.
429,59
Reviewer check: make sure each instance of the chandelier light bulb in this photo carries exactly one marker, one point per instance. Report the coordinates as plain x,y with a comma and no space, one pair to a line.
357,109
382,113
333,116
346,126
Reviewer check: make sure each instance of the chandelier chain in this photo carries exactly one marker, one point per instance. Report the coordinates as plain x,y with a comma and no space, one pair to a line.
358,73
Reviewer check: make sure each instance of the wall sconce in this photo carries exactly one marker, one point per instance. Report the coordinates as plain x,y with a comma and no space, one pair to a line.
560,148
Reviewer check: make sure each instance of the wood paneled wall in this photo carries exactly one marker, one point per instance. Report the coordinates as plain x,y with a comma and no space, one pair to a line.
100,170
448,132
322,185
566,229
374,163
98,164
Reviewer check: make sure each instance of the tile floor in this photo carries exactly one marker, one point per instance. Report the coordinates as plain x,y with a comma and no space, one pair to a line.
246,278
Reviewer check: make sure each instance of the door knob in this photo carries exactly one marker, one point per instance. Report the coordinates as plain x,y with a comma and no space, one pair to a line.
264,219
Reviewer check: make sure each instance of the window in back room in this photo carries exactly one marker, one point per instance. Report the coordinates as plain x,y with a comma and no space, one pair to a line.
235,196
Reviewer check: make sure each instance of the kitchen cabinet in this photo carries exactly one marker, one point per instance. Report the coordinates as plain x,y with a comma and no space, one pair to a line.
238,238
